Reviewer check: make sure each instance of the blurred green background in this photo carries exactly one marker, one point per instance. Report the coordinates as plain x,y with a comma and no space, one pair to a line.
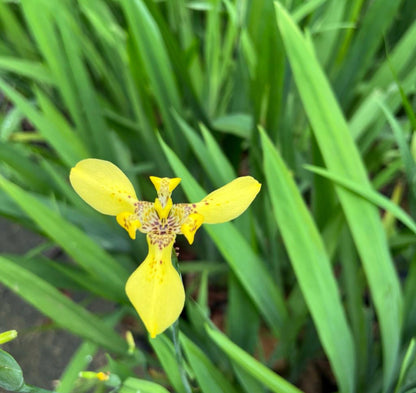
314,286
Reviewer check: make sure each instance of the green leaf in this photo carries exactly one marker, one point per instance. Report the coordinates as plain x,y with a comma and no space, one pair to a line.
66,144
368,194
30,69
311,265
405,153
11,375
19,158
408,359
225,171
87,97
210,379
198,147
341,156
14,32
134,385
166,353
239,124
152,49
59,307
247,380
259,371
377,18
79,362
400,59
245,335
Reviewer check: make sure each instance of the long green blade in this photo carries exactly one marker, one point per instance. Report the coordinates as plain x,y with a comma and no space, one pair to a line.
341,156
59,307
66,144
312,266
79,362
152,49
267,377
31,69
209,377
166,353
134,385
372,196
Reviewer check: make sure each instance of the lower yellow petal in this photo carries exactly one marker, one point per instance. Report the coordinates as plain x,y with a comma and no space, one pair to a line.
155,289
103,186
229,201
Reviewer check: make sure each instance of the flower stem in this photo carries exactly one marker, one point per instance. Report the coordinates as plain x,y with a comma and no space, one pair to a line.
175,338
179,357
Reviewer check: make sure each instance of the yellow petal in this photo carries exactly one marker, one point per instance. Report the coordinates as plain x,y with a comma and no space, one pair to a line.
165,184
229,201
129,222
163,211
103,186
191,225
155,289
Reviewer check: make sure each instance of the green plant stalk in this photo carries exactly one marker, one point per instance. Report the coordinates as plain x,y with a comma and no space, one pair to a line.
175,338
179,357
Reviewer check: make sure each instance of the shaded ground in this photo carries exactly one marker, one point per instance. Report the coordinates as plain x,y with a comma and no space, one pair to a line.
42,353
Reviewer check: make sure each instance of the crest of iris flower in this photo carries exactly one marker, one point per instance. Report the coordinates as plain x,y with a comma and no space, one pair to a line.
155,288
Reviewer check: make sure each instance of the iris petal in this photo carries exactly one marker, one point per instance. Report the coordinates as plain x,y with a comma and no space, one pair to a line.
103,186
129,222
191,225
155,289
229,201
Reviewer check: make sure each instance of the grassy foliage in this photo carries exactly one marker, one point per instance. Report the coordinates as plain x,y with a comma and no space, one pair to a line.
315,99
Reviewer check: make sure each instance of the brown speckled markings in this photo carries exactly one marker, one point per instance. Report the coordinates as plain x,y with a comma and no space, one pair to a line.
160,240
162,231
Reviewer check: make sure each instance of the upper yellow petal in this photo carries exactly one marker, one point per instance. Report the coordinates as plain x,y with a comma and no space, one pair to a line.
155,289
229,201
165,184
103,186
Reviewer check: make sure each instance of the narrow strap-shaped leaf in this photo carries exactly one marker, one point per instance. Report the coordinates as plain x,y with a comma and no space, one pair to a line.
376,19
79,362
148,39
166,353
311,265
267,377
67,314
406,155
371,195
341,156
209,377
66,144
28,68
134,385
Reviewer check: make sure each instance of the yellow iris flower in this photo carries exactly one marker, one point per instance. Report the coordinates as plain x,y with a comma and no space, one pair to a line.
155,289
